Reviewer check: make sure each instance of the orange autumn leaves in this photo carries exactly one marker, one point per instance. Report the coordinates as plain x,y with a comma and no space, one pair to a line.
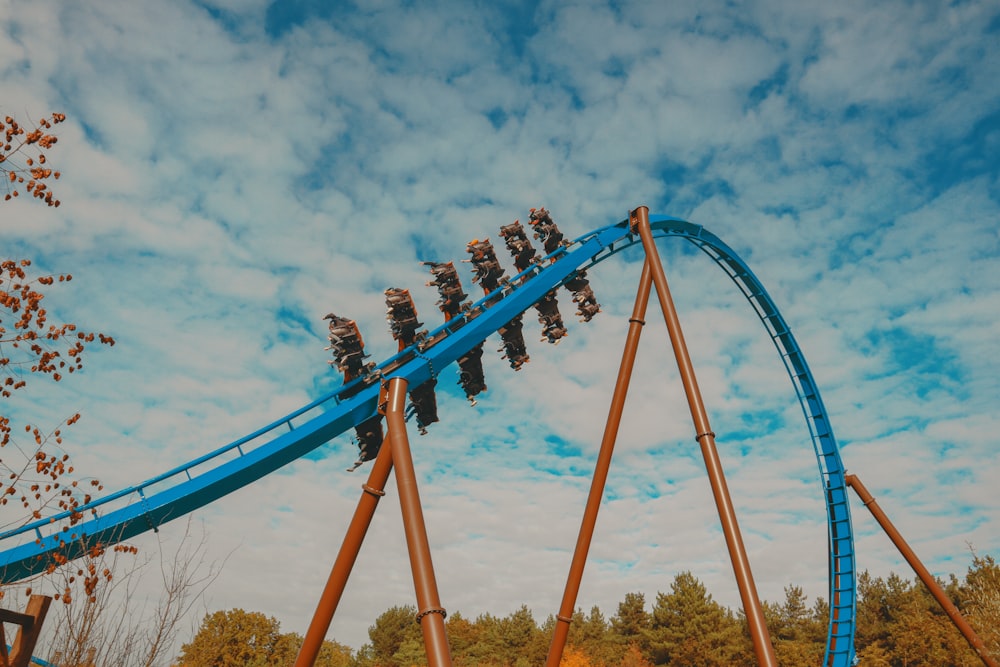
37,480
29,343
23,161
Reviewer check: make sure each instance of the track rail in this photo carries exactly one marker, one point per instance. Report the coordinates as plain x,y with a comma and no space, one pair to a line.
30,549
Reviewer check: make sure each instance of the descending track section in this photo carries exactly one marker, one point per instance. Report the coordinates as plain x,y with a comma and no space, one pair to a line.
119,516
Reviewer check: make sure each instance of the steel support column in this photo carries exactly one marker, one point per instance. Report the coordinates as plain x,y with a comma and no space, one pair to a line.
706,438
565,615
925,576
431,614
374,489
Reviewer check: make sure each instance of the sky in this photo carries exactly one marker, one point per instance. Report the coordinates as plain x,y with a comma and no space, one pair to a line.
234,170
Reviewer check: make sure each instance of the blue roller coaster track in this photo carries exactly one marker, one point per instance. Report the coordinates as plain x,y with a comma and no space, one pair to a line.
30,549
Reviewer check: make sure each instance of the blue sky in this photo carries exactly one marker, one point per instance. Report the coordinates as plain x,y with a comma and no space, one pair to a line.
234,170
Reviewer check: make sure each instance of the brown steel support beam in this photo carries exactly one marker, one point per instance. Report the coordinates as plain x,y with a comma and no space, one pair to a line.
600,478
374,489
431,614
925,576
706,438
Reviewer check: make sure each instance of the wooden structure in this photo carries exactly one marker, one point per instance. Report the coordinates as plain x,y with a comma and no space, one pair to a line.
29,627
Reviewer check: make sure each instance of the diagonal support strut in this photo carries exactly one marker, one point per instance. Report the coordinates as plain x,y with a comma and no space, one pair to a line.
430,613
394,454
763,649
600,478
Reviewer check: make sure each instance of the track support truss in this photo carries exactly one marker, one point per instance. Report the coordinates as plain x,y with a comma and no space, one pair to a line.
653,274
431,614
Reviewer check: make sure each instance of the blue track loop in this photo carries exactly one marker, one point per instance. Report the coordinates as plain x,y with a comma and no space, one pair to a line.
30,549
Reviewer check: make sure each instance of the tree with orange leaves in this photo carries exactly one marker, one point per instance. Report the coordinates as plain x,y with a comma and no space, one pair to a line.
37,478
36,475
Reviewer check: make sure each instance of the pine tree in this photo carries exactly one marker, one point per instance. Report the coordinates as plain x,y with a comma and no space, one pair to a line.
798,636
981,597
689,628
632,618
392,629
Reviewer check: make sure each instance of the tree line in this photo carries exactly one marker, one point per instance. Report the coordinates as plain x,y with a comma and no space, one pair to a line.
899,624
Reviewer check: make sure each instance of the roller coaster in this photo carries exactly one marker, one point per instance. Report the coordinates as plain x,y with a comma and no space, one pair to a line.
372,392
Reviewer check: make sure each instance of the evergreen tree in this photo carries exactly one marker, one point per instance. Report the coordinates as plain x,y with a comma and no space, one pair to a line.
689,628
411,653
981,600
632,619
798,637
488,648
463,634
518,631
592,635
513,639
879,602
392,629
